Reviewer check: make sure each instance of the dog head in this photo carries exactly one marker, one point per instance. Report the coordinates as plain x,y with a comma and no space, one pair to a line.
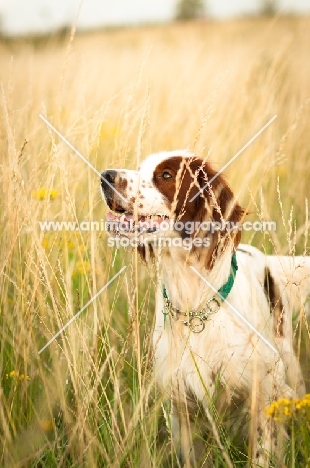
173,195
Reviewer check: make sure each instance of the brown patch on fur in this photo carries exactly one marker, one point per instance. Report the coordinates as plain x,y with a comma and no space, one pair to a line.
188,176
121,183
151,252
146,251
142,253
276,306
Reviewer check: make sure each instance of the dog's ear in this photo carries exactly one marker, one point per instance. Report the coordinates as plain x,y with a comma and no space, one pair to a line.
227,211
213,206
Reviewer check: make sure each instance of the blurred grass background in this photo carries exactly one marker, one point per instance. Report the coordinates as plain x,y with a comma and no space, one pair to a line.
89,399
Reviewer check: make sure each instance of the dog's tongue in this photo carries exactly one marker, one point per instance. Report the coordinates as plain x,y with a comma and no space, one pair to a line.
113,216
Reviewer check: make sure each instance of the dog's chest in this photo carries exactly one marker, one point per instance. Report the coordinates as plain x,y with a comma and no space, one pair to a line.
187,360
197,362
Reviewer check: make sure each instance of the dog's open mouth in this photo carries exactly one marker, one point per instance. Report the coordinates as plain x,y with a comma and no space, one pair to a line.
126,222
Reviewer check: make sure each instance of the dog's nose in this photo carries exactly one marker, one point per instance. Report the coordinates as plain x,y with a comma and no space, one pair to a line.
108,178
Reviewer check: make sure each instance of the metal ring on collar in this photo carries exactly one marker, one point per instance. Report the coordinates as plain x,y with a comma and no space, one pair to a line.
216,307
193,324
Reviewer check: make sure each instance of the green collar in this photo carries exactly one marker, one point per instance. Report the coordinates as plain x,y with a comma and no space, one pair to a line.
195,320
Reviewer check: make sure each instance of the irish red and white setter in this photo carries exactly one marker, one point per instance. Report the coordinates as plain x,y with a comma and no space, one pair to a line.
223,314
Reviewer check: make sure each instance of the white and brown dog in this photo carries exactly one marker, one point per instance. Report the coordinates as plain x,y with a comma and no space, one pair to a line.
214,324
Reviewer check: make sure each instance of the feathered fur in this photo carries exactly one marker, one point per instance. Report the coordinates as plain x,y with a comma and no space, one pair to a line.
189,366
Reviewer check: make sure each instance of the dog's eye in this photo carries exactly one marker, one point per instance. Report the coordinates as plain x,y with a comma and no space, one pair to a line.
166,175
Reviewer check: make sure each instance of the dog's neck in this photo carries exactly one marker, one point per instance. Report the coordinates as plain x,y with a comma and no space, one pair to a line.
184,286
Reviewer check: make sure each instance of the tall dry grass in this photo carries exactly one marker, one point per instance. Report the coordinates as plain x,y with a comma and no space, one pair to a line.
89,399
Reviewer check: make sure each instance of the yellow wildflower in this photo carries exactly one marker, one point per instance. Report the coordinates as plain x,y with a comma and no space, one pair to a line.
70,245
108,131
45,244
17,376
43,193
81,267
64,243
107,134
287,408
53,194
47,425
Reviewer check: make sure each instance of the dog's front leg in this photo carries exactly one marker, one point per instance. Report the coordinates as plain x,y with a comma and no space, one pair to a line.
268,435
269,446
265,441
182,434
